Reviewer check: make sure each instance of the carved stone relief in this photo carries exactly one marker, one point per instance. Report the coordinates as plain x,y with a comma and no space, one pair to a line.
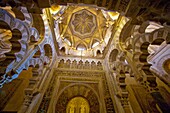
80,65
92,79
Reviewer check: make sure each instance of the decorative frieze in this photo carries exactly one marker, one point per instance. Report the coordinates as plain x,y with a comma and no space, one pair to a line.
80,65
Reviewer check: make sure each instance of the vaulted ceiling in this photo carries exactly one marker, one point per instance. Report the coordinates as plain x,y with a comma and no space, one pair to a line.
83,30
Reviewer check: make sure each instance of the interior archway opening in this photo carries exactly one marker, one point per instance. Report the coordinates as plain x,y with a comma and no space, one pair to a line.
78,105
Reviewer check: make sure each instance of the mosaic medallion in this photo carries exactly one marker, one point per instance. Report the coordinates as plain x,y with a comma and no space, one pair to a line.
83,23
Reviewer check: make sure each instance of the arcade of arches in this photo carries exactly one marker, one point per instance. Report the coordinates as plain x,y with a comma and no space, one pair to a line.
84,56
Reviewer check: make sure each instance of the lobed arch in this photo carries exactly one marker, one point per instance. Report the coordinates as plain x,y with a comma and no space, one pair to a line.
18,43
19,25
156,38
73,59
36,62
23,15
119,64
141,45
138,30
80,64
14,47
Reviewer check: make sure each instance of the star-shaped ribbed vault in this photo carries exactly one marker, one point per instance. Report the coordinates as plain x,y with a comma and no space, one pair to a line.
83,23
83,30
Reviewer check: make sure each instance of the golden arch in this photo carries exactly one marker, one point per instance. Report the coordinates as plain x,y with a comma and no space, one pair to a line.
78,105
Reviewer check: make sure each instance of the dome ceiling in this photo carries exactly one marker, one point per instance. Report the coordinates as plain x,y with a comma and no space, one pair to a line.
83,30
83,23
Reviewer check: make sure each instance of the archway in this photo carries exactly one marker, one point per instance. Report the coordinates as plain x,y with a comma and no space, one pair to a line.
78,105
77,90
9,46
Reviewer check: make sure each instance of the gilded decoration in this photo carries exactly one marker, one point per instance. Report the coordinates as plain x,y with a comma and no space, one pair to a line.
78,105
83,30
83,23
66,105
80,79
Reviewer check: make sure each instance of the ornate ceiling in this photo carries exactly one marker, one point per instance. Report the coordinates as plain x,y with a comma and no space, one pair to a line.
83,30
83,23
